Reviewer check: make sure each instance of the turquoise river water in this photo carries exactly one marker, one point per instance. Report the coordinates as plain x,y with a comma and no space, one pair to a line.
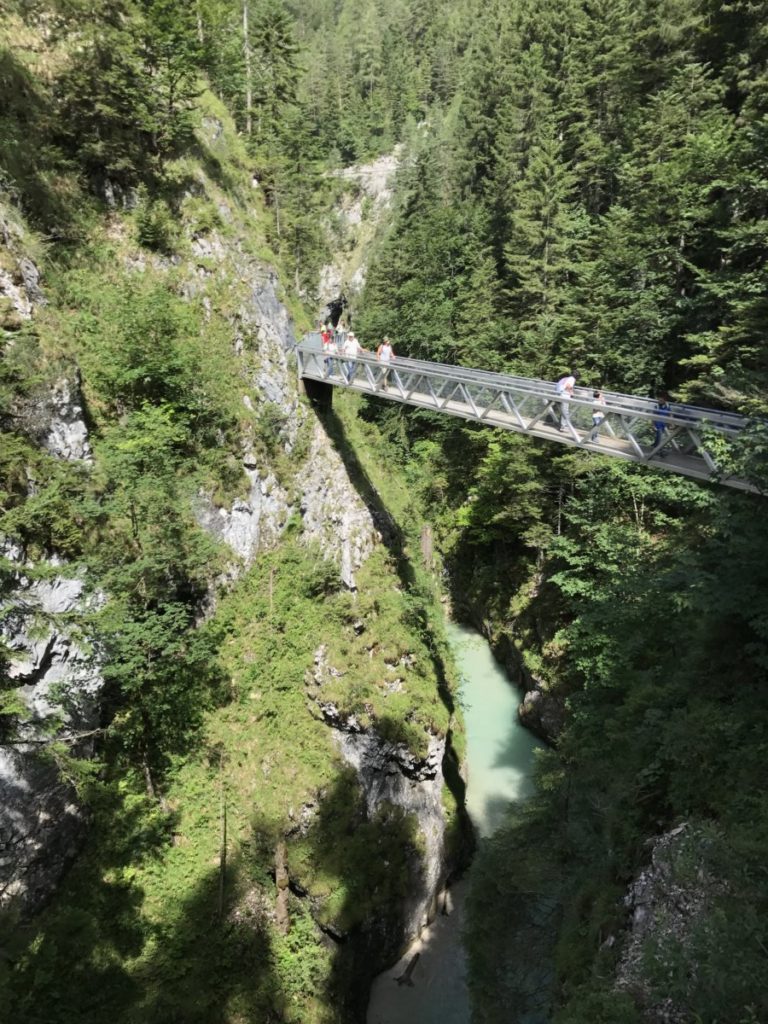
500,756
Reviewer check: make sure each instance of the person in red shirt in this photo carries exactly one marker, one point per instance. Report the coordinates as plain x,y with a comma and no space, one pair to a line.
329,348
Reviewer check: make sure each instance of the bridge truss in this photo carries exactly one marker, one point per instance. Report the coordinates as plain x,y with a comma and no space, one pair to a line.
696,442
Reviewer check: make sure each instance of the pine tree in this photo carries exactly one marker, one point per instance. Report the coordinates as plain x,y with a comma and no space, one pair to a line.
541,258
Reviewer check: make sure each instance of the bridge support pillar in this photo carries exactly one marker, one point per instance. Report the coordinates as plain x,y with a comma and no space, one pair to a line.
319,393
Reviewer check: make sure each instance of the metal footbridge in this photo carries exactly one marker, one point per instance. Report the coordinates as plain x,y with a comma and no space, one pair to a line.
695,442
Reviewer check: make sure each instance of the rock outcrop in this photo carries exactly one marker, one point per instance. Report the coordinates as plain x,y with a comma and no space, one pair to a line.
58,685
67,433
542,712
55,419
251,523
665,903
333,513
362,208
55,682
390,773
19,300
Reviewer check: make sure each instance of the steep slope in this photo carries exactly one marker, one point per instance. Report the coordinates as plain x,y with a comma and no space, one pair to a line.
268,700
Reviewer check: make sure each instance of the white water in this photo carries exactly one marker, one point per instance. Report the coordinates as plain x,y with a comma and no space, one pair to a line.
500,755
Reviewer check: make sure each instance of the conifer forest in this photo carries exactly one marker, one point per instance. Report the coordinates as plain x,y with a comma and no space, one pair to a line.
233,750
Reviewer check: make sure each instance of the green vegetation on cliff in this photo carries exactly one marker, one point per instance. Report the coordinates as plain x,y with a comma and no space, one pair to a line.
155,198
169,914
585,184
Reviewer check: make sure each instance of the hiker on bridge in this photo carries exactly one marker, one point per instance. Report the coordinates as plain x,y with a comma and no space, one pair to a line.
661,421
330,349
598,415
564,391
385,354
351,350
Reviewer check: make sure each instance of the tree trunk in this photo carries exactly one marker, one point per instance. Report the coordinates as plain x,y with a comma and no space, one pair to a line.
248,71
199,19
223,845
427,547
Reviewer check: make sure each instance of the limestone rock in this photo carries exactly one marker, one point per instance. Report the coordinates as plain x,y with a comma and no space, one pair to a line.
664,903
15,292
360,210
252,523
59,686
55,419
333,512
390,773
30,278
542,713
67,436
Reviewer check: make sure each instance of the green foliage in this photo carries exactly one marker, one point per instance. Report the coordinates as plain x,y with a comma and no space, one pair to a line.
155,226
586,185
592,198
154,942
141,61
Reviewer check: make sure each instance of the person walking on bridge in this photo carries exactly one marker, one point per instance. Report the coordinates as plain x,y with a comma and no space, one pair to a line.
352,349
329,349
385,354
598,415
661,422
564,391
340,334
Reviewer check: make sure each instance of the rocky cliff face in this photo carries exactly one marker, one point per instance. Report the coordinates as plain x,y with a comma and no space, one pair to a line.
665,903
40,819
390,773
57,684
54,681
332,512
361,209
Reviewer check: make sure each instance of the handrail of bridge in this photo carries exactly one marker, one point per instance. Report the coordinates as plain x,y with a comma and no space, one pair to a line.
615,401
532,406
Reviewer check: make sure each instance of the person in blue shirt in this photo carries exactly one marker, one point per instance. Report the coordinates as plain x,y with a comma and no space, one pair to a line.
661,422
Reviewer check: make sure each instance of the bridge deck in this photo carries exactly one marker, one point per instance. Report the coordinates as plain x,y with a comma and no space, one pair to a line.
529,406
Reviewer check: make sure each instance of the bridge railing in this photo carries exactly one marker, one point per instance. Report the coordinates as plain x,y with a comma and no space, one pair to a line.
688,443
644,408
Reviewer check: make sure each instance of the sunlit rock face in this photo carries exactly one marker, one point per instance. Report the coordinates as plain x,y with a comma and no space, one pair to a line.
332,511
58,685
333,514
55,681
390,774
67,433
362,208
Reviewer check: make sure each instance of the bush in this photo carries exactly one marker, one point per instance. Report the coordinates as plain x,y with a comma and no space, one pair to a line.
155,225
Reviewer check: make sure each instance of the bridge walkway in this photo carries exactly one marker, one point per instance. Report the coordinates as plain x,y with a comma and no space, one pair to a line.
694,441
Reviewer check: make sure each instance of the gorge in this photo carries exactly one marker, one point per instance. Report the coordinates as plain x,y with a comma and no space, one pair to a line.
233,753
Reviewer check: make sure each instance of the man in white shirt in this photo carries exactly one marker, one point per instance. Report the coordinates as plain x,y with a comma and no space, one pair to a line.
564,391
352,349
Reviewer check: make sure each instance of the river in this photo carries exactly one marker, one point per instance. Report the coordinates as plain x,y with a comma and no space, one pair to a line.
500,755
